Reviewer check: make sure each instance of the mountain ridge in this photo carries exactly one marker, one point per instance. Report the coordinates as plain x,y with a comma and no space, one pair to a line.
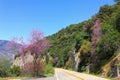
5,52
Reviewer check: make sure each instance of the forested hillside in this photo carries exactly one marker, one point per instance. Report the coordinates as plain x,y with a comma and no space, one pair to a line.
83,48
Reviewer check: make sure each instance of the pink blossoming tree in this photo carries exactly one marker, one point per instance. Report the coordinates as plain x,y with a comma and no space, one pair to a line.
95,38
97,34
37,47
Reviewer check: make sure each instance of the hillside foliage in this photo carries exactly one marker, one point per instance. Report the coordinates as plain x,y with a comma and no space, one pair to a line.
78,38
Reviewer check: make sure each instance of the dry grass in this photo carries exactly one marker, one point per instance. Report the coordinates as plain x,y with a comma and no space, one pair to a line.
9,79
3,78
118,78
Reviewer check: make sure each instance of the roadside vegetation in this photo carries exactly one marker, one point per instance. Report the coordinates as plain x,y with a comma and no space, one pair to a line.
92,46
49,70
30,61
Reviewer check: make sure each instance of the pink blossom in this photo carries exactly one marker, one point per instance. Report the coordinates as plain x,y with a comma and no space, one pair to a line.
96,35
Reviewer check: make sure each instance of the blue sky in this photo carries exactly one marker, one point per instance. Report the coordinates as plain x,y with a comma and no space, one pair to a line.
20,17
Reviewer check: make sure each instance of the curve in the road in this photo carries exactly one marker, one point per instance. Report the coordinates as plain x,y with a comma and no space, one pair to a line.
73,75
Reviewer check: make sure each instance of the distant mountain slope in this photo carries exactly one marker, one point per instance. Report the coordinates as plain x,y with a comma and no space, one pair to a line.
5,52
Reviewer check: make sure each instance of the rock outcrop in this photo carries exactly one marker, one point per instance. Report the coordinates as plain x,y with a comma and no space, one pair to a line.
112,68
20,61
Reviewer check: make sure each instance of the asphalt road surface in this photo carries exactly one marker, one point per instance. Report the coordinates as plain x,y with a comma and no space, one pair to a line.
62,74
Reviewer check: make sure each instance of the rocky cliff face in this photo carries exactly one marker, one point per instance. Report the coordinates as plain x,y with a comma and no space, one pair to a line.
21,61
112,68
74,60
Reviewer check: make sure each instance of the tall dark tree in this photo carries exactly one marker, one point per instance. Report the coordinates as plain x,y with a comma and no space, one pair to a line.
117,22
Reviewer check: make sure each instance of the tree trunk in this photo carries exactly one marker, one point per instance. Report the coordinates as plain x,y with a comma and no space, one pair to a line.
118,71
88,69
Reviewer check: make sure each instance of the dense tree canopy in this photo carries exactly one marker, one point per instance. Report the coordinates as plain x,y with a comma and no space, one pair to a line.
79,38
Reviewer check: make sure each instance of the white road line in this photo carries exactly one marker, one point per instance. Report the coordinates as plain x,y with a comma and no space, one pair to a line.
56,76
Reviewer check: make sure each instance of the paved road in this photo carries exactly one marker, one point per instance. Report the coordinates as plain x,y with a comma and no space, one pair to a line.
62,74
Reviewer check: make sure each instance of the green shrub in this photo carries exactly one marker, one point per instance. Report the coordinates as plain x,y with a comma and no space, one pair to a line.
49,70
15,71
3,72
4,66
51,61
83,68
68,65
